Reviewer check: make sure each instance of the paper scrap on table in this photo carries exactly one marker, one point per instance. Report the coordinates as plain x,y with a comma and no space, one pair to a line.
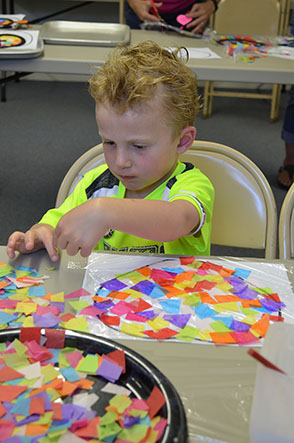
200,53
282,52
39,409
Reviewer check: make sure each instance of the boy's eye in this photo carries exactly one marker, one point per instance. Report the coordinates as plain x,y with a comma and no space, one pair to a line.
108,142
139,146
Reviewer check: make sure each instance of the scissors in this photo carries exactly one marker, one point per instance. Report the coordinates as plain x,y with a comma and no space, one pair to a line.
155,11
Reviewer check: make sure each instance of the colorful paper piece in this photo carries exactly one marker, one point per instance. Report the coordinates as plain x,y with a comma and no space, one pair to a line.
190,300
38,407
195,300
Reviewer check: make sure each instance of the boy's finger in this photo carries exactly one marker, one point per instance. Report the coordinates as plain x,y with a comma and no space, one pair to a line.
72,249
85,252
15,243
48,243
29,239
10,252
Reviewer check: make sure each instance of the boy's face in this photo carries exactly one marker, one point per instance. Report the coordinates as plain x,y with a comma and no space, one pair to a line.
139,146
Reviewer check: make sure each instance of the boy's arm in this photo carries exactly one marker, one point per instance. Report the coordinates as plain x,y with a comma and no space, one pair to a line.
162,221
38,237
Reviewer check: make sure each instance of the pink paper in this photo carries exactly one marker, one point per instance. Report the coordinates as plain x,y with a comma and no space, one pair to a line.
183,19
77,293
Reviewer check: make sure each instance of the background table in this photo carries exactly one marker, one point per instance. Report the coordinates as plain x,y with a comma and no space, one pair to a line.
60,59
215,383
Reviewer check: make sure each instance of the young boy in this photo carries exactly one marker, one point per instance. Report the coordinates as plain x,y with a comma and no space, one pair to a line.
143,199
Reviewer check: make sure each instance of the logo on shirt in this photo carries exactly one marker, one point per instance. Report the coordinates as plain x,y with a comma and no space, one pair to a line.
150,249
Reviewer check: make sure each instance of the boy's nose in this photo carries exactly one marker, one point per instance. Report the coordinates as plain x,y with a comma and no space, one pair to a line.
123,158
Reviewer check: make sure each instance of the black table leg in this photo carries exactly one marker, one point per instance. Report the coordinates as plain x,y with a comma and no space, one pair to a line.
4,7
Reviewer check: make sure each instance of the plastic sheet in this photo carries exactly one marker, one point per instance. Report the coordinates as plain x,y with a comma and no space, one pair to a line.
248,48
272,408
103,267
216,383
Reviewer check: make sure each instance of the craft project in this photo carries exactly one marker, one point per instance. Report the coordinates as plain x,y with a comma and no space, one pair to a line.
11,40
181,299
20,43
195,301
53,391
12,21
247,48
165,27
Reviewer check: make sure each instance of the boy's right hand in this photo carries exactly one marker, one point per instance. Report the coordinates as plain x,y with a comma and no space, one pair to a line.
38,237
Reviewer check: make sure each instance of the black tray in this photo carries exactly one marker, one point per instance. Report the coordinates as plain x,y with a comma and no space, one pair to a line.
140,378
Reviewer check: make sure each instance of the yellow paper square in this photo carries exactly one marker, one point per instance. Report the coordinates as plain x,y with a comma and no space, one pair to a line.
59,297
133,329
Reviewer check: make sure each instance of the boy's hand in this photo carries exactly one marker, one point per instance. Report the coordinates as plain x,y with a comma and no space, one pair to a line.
38,237
201,13
81,229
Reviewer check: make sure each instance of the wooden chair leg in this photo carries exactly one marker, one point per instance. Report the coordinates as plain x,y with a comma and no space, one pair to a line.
207,99
210,98
121,12
275,102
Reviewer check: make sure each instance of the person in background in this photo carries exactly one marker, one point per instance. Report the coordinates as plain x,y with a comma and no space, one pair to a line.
144,199
138,11
286,172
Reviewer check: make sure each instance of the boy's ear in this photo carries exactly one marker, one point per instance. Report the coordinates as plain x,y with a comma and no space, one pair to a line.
187,138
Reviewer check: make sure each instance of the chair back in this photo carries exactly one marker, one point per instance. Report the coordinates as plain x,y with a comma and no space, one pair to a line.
286,226
261,17
89,160
245,214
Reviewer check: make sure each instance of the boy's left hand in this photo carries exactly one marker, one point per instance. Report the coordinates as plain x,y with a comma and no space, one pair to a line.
80,229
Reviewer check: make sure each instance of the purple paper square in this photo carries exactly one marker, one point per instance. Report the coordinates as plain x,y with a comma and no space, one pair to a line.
144,286
46,320
110,371
179,320
270,305
114,285
246,293
147,314
240,326
130,421
58,304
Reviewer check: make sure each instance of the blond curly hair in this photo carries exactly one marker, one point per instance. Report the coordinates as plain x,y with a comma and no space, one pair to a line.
134,75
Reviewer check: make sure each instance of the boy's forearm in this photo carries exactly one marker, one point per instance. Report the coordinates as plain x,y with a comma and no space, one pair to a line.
151,219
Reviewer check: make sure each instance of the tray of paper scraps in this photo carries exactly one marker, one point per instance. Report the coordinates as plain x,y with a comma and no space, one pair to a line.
20,43
61,383
60,32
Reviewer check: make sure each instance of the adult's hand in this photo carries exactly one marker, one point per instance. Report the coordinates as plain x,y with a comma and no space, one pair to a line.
142,10
200,12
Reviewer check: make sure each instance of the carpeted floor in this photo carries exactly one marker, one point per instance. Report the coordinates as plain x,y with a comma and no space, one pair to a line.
45,126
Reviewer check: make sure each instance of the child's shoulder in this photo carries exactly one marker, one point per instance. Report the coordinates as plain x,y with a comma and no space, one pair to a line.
188,175
188,171
100,180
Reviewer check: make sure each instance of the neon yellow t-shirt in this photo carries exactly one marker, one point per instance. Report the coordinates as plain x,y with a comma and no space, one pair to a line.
186,183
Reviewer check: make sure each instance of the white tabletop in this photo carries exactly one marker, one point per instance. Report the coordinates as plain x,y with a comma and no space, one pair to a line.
82,60
216,383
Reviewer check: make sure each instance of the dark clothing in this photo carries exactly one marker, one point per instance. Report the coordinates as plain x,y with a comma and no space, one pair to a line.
133,21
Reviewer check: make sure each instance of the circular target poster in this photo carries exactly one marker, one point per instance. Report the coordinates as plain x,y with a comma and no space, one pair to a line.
8,40
19,42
